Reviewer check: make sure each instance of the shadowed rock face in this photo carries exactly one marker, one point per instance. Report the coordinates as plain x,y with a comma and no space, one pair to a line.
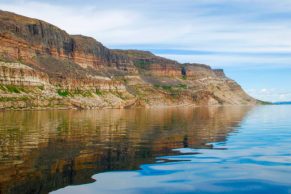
80,72
42,151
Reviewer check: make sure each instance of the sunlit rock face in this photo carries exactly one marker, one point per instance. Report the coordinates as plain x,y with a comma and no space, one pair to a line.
42,63
19,74
25,39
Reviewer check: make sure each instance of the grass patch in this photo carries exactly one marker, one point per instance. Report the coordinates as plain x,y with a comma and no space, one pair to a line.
119,95
142,64
13,88
98,92
174,91
3,88
63,93
167,88
40,87
14,99
170,87
76,92
182,86
84,93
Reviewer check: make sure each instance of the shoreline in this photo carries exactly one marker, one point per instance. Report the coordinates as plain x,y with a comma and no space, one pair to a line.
136,107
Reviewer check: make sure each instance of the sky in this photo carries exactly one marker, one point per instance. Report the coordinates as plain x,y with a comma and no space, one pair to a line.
249,39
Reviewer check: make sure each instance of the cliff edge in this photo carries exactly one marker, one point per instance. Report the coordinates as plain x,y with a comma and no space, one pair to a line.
42,66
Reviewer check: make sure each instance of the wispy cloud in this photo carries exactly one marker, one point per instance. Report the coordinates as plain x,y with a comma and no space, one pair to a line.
194,25
249,34
271,95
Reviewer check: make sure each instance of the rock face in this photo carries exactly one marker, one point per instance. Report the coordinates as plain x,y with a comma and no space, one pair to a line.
43,66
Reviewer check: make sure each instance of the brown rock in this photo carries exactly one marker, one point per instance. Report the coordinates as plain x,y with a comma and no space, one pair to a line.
43,66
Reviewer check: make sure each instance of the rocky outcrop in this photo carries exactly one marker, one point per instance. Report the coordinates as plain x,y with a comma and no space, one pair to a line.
26,39
19,74
41,63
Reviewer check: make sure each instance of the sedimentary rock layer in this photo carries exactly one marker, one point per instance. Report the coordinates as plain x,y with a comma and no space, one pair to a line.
40,61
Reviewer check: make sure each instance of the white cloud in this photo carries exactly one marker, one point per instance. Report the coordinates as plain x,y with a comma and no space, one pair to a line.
270,94
210,25
76,20
198,25
230,60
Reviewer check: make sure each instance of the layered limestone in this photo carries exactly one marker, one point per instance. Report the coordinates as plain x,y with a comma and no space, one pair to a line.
43,66
26,39
20,74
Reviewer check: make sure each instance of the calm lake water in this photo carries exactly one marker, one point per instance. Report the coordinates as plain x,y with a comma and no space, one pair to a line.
229,150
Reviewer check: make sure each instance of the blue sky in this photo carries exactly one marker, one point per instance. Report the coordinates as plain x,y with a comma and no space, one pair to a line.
249,39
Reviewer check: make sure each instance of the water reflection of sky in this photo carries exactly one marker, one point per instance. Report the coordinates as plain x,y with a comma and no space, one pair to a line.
42,151
255,158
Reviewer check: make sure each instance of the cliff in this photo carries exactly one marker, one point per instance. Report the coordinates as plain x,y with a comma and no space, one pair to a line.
43,66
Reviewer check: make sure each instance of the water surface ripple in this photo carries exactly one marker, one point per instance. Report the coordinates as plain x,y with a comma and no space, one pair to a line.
229,150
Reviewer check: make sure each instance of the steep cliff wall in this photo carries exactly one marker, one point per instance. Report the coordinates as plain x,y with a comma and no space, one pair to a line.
26,39
43,66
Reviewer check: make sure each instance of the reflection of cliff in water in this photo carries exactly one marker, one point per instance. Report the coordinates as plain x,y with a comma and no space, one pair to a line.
42,151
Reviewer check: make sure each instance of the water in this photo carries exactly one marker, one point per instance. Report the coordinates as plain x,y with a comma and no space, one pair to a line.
235,150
